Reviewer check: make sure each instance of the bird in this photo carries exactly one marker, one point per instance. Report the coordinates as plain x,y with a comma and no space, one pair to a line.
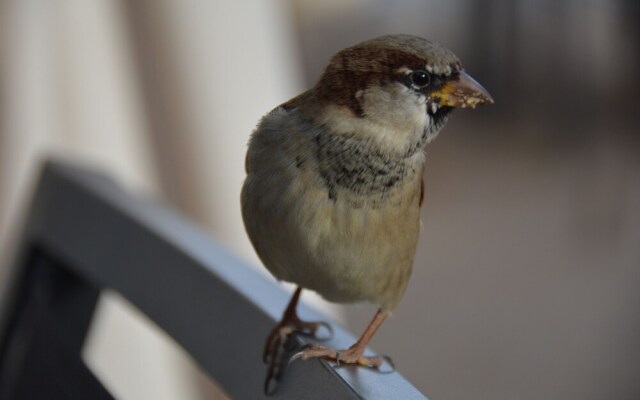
334,186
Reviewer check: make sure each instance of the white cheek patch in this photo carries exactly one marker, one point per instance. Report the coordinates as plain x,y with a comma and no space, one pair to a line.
395,106
394,116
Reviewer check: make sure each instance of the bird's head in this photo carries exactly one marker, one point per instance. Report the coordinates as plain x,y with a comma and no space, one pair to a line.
397,90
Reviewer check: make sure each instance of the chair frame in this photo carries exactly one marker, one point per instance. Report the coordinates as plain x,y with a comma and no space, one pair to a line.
85,234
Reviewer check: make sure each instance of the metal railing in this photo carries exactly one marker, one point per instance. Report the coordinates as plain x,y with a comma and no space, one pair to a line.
217,308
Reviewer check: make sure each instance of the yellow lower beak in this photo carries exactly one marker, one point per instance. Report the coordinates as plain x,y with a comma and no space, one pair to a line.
461,92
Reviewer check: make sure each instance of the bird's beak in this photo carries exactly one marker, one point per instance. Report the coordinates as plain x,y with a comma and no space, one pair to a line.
462,92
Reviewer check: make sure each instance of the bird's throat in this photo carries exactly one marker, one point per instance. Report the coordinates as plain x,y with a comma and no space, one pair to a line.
359,169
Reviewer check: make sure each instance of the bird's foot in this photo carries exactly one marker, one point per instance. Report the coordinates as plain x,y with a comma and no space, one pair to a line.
278,345
279,335
354,355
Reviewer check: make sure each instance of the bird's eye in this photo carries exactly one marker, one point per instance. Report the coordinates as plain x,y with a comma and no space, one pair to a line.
420,78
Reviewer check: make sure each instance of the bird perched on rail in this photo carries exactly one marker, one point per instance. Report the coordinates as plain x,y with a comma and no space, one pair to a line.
332,197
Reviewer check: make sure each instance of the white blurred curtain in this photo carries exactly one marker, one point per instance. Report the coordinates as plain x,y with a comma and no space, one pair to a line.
162,96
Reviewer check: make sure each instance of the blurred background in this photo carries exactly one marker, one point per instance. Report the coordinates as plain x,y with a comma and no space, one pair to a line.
526,282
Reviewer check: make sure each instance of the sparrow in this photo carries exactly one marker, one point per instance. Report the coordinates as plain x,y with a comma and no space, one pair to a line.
331,201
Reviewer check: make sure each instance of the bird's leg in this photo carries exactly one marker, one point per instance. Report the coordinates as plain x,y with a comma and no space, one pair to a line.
354,354
290,323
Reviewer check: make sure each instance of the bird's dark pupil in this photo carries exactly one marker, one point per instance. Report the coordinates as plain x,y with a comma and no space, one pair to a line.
420,78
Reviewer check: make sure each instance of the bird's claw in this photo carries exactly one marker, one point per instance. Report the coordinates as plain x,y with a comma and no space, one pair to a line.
295,357
279,344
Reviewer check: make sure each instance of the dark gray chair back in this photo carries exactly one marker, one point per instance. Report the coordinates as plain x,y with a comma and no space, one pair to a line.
83,235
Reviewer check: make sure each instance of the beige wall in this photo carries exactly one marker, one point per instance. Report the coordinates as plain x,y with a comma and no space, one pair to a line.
160,95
